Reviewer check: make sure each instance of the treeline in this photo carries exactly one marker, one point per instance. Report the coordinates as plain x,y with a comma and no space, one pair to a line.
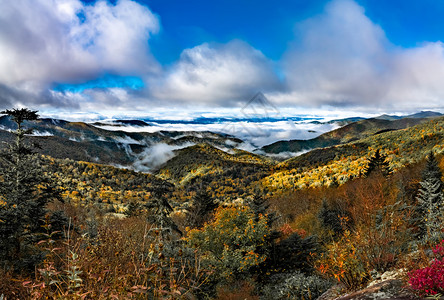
342,163
87,183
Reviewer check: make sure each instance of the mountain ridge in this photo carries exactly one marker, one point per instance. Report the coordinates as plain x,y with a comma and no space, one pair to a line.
350,132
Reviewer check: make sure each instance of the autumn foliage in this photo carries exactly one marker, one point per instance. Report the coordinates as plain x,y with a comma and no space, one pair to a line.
234,242
430,280
317,222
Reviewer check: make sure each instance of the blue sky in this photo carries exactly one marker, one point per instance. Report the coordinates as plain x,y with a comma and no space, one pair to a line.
133,58
268,25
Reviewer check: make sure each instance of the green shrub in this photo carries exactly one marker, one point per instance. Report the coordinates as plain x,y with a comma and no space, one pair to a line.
233,243
295,285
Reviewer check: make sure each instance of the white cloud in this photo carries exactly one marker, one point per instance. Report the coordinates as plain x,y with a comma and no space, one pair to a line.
418,77
254,134
41,133
344,59
46,41
340,58
220,74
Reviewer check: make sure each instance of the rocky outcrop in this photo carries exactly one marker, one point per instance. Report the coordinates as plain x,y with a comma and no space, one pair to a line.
387,286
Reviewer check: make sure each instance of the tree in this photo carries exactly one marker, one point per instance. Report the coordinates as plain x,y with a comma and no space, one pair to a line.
261,208
133,208
430,204
378,163
201,210
293,253
334,218
24,193
160,210
232,242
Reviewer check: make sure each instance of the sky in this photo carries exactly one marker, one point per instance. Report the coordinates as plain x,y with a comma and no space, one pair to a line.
176,59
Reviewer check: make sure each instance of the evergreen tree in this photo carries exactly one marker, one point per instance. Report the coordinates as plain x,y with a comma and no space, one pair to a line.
430,202
134,208
201,210
378,162
333,218
160,210
259,206
432,170
24,193
335,183
293,254
261,209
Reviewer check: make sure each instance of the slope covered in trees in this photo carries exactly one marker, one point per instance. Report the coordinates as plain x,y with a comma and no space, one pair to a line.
92,143
211,224
348,133
345,162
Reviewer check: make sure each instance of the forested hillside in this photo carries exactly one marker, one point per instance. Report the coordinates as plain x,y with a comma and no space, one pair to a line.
222,224
350,132
89,142
344,162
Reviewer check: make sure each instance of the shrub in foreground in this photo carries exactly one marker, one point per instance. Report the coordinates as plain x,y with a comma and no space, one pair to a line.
342,261
430,280
295,285
233,243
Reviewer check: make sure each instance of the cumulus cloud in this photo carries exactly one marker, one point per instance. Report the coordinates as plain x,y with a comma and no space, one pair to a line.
221,74
342,58
339,58
47,41
418,77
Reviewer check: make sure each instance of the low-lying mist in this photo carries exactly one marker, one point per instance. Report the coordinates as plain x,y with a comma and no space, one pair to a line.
156,155
258,134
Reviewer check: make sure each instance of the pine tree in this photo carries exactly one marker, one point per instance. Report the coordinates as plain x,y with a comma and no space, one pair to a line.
202,209
24,193
378,162
430,206
260,206
134,208
160,210
334,218
432,170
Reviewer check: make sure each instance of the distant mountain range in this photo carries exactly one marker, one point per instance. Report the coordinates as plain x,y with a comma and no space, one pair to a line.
120,123
88,142
204,120
356,129
149,151
213,120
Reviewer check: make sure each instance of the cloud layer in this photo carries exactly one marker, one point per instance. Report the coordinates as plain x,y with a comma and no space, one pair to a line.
217,74
47,41
339,58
